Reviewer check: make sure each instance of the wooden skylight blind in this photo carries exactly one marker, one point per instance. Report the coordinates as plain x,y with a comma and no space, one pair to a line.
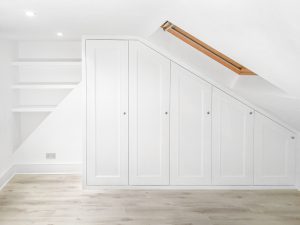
206,49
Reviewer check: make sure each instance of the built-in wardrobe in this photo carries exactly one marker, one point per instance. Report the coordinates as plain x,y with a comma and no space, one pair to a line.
150,121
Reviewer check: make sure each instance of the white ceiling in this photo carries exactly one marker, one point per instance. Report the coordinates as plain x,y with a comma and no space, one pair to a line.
77,17
263,35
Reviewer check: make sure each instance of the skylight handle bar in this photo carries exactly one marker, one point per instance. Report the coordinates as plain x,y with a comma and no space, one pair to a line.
206,49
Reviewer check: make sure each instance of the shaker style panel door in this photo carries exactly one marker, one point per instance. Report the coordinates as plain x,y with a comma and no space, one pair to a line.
107,112
149,116
274,153
190,128
232,141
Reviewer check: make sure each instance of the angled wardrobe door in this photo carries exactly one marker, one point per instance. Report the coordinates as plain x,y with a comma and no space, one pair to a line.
107,112
149,116
274,153
232,141
190,128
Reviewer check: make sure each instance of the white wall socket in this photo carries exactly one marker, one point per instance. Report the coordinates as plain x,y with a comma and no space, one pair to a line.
51,155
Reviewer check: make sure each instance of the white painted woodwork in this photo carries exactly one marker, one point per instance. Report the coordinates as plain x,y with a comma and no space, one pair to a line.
190,159
46,97
107,112
232,141
152,122
274,153
44,86
33,109
59,62
149,116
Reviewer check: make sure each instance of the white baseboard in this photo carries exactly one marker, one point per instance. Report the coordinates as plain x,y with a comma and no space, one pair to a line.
182,188
6,176
48,168
77,169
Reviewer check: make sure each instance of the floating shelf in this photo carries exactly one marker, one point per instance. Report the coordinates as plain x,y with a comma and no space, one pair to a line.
29,109
47,62
44,86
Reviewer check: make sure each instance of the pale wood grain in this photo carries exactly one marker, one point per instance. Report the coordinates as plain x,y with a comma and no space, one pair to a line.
59,200
206,49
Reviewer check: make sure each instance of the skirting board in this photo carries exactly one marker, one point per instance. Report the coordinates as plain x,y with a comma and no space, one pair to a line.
77,169
204,188
39,169
48,168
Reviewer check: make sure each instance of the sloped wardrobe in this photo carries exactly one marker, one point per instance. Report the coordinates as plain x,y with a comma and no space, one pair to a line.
150,121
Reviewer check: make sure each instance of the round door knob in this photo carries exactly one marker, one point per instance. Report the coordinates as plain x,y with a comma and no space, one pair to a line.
208,113
250,113
124,113
166,113
293,137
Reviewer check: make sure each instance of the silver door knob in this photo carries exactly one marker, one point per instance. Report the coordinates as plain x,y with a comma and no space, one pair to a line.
250,113
208,113
124,113
293,137
166,113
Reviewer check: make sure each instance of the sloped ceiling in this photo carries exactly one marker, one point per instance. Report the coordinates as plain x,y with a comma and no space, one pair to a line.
255,89
263,35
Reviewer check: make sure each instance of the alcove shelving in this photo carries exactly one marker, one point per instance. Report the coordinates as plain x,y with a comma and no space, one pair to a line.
36,85
45,73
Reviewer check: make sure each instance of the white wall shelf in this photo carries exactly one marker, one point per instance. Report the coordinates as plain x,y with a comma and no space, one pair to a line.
45,86
29,109
48,62
44,74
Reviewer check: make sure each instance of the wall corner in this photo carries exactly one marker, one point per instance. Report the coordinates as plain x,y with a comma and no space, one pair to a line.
298,161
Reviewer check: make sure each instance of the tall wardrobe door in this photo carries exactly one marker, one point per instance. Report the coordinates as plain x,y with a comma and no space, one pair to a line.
149,116
190,128
274,153
232,141
107,112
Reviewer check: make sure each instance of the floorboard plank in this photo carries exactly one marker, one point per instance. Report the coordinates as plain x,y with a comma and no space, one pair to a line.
59,200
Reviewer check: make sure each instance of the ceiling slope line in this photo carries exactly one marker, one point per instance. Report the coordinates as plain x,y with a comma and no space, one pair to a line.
206,49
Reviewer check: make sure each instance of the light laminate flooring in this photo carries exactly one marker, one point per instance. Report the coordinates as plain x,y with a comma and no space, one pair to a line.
59,200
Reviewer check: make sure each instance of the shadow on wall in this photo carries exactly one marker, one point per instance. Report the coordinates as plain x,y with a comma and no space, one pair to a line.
7,55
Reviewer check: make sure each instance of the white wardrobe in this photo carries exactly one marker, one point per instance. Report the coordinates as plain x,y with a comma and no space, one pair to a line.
151,122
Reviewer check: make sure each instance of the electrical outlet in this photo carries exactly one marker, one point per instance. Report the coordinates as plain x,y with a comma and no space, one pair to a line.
51,155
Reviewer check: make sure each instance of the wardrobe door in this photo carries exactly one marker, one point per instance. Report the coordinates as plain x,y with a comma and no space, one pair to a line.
190,128
274,153
107,112
232,141
149,116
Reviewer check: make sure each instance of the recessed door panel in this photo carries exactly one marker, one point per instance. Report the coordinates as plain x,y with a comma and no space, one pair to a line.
190,128
274,151
107,112
232,141
149,116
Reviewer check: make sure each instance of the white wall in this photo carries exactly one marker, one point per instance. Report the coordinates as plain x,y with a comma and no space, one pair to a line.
298,162
59,131
7,50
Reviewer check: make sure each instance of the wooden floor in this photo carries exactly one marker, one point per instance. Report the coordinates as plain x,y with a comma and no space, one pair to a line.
59,200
